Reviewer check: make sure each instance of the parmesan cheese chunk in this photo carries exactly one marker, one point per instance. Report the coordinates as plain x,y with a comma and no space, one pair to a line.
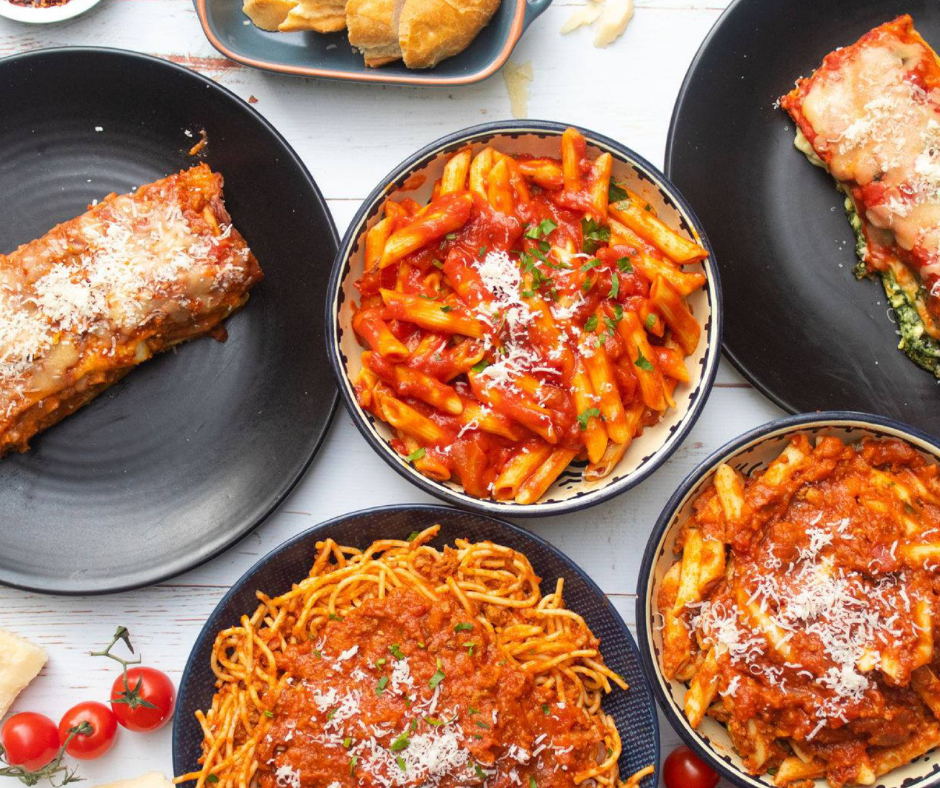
585,15
20,663
148,780
613,21
518,77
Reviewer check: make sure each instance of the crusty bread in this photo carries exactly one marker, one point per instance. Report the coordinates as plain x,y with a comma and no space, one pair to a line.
431,30
324,16
373,29
268,14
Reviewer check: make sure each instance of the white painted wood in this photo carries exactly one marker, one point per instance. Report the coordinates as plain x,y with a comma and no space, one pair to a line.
350,135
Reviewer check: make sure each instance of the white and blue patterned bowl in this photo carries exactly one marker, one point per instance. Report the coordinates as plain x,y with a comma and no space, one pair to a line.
540,138
750,453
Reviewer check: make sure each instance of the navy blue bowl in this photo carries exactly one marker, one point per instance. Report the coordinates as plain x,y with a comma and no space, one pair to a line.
632,710
750,453
539,137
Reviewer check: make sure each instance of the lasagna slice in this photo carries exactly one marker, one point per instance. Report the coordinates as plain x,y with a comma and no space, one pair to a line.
99,294
870,115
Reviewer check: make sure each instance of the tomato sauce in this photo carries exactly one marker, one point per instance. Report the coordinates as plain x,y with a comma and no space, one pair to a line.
400,692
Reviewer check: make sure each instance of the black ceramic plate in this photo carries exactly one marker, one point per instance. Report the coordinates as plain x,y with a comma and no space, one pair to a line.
797,323
632,710
195,448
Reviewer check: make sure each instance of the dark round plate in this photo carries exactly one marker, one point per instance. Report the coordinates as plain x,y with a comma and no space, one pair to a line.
192,450
797,323
633,710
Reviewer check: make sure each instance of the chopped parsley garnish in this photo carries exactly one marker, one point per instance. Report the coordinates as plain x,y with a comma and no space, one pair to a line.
592,263
463,627
586,285
591,323
593,235
480,773
380,661
400,743
352,764
625,265
437,263
586,416
482,725
532,783
618,312
330,714
477,736
472,710
334,617
480,366
450,236
434,721
545,709
347,742
317,653
412,536
269,714
481,251
401,763
541,229
447,308
380,687
528,294
611,325
615,193
212,778
438,676
470,647
648,207
643,363
614,286
417,454
413,726
650,320
396,651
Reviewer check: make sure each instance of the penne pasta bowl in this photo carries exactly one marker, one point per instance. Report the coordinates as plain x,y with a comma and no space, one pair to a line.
747,455
577,485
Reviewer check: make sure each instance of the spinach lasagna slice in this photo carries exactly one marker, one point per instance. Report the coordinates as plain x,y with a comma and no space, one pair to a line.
101,293
870,115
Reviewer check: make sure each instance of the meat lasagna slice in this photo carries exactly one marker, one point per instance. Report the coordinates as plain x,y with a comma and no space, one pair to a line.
870,114
99,294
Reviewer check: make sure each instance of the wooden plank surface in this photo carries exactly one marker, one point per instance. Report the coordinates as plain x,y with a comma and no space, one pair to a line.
350,135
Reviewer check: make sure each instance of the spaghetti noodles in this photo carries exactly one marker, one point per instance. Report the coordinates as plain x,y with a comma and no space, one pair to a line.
403,665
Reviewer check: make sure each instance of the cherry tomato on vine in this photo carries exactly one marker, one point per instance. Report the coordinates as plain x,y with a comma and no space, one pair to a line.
29,740
684,769
93,744
143,699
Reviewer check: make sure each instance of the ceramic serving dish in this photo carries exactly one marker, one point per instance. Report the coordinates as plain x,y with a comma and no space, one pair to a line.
541,138
751,453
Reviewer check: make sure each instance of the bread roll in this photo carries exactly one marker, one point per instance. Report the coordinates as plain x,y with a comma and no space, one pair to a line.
373,29
431,30
268,14
324,16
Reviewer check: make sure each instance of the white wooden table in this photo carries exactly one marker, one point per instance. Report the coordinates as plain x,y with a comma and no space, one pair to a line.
350,135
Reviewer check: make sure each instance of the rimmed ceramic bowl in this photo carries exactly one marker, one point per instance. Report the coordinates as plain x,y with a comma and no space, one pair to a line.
751,453
633,711
331,56
47,15
570,491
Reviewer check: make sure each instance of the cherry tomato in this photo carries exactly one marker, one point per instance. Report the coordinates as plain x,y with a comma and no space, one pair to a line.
94,744
684,769
149,685
30,740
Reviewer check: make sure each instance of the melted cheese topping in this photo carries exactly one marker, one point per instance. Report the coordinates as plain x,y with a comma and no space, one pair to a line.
875,124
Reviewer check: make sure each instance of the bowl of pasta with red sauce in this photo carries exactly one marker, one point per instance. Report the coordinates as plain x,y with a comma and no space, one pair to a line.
406,646
786,607
524,318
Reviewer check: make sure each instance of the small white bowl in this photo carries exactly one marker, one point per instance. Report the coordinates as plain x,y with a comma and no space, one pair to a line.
46,15
751,453
415,178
